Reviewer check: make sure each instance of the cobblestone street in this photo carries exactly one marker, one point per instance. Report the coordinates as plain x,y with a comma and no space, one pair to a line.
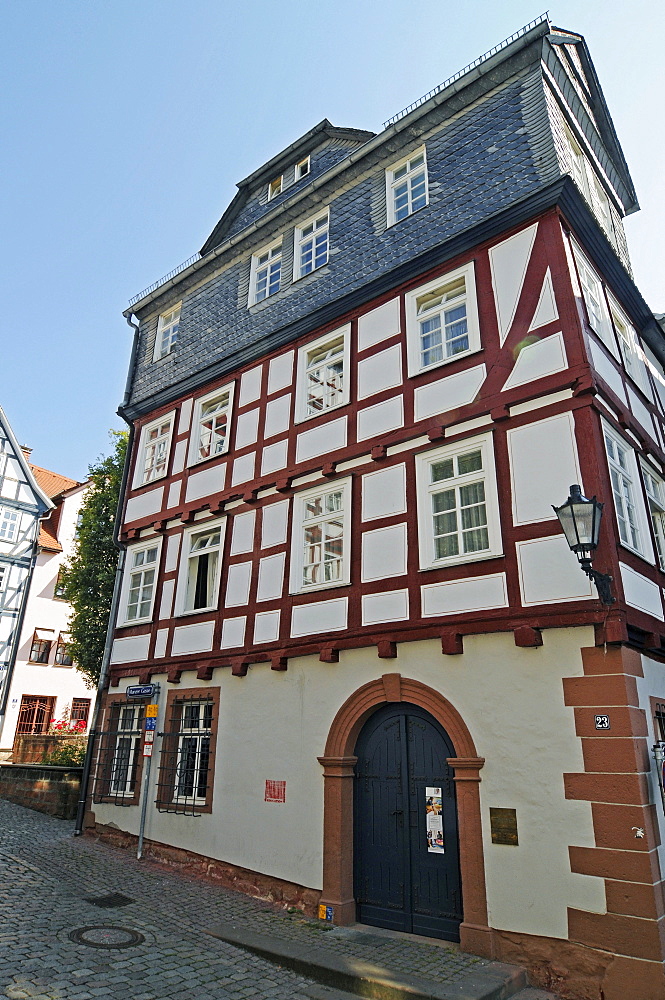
82,920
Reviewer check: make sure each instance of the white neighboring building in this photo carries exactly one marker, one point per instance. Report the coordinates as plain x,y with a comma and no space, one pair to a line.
44,683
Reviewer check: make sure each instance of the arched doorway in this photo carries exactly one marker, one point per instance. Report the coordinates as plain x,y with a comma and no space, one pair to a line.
339,763
406,855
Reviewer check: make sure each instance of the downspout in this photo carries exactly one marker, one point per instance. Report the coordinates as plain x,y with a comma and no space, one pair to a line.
113,611
7,681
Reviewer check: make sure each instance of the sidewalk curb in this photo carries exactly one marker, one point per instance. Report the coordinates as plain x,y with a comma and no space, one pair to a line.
494,982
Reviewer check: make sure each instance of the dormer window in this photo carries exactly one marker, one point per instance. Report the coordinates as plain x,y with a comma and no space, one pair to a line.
275,188
265,273
302,168
167,332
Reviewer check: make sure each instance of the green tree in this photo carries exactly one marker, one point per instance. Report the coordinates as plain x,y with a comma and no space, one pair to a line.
89,574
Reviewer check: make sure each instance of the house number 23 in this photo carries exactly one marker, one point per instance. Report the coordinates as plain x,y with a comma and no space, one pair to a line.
602,722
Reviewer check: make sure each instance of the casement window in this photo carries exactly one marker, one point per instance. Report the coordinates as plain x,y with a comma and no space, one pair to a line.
406,187
310,248
630,347
655,490
594,300
59,587
458,508
63,658
186,762
589,184
323,374
167,332
153,454
625,486
302,168
120,752
80,710
275,187
200,565
8,524
265,273
40,647
210,427
320,555
137,597
442,320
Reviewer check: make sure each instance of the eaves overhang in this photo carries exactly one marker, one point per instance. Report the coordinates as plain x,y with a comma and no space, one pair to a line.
562,193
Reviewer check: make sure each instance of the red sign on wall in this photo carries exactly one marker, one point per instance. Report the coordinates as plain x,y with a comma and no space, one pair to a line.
275,791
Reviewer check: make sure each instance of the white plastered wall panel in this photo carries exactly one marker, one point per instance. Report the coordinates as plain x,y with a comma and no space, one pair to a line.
278,413
378,325
526,750
508,262
543,462
537,360
652,685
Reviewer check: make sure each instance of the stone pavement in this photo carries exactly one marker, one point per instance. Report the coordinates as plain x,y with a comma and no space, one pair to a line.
58,941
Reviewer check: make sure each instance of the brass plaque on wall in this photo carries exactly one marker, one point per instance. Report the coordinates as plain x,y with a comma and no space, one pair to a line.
503,824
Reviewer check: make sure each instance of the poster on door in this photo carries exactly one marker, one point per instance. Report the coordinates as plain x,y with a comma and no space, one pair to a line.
434,819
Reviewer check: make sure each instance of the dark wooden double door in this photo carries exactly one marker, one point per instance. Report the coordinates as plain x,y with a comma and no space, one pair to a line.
403,880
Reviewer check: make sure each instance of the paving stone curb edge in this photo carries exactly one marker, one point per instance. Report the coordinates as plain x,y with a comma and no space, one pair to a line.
495,982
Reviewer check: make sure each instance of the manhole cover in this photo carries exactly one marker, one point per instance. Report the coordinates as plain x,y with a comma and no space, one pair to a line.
110,901
106,936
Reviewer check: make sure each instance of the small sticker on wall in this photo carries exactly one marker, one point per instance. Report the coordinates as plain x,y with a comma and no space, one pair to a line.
434,818
275,791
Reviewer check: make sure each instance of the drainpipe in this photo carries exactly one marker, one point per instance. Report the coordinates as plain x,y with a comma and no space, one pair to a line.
7,680
115,600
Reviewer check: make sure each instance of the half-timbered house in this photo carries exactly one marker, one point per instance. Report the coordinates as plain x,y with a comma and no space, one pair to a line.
379,670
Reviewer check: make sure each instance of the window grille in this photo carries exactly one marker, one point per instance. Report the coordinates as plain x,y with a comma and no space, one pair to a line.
34,715
185,771
116,776
80,710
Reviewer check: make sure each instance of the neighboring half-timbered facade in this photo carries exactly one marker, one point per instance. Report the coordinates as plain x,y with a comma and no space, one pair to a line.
351,418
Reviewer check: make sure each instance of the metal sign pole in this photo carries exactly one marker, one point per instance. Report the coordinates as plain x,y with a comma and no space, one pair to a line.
149,724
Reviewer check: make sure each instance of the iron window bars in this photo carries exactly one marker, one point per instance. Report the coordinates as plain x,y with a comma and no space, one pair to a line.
185,769
116,776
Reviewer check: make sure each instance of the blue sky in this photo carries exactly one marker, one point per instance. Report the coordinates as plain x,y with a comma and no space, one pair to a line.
126,126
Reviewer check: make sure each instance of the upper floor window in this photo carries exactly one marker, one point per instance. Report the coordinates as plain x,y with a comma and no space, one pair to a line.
154,450
655,490
311,245
62,655
594,299
265,273
138,592
323,379
167,332
406,187
302,168
321,538
59,587
442,320
623,474
589,184
275,187
200,566
458,512
210,427
40,648
8,524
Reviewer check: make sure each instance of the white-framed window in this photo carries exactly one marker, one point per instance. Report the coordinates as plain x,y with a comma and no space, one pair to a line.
303,167
265,273
323,374
631,352
8,524
211,424
458,507
310,245
193,757
406,187
275,187
655,490
153,454
167,332
137,597
442,320
321,540
200,567
589,184
594,299
625,490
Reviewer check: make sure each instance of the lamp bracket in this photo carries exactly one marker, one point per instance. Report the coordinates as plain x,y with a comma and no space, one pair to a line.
601,580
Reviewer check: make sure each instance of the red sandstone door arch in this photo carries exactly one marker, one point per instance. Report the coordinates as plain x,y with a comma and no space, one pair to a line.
338,772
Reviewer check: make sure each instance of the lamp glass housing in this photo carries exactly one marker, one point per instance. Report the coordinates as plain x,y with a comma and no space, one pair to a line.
580,520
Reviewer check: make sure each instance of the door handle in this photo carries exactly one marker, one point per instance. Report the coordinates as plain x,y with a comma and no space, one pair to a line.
397,812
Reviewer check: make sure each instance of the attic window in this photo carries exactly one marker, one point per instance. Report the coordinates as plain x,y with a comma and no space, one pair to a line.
8,524
275,188
302,168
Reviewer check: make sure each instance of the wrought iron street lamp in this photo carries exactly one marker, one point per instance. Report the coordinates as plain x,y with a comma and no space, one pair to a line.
580,520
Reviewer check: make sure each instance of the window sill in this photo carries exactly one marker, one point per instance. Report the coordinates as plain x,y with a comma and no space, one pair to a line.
415,372
322,269
391,223
316,589
461,561
321,413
